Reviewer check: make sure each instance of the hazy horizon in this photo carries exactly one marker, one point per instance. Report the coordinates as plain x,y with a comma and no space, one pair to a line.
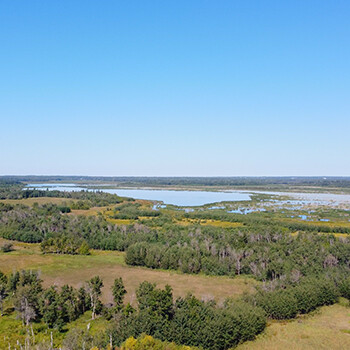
177,176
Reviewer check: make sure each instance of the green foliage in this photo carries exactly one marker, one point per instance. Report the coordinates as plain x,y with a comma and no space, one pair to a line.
64,245
303,298
280,304
3,290
118,291
82,339
72,302
80,205
86,199
133,211
201,324
136,254
189,321
27,290
13,281
154,300
51,308
84,249
344,288
64,209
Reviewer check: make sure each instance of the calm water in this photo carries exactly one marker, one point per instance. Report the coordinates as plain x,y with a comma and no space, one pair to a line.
180,198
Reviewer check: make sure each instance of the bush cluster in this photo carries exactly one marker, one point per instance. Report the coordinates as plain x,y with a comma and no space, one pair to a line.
303,298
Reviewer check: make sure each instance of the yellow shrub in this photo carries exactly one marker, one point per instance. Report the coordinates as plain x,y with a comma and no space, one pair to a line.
129,344
146,342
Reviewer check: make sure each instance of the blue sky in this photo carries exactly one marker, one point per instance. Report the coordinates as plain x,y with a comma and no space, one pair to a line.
197,88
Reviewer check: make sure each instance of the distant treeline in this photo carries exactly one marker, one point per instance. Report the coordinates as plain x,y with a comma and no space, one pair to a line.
86,199
343,182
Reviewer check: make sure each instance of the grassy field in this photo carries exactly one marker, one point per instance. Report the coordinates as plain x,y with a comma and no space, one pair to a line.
76,269
326,328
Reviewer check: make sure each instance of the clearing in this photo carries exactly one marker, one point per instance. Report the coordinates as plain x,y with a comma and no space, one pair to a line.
76,269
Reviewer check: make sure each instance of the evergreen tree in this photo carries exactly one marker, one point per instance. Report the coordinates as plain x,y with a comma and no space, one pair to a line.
118,291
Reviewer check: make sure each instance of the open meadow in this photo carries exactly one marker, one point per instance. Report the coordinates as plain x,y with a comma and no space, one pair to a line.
325,329
76,269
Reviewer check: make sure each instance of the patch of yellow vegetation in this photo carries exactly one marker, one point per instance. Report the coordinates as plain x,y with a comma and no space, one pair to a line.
108,213
219,223
341,234
146,342
146,217
120,221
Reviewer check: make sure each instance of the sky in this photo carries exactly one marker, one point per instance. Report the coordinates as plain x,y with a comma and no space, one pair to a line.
175,88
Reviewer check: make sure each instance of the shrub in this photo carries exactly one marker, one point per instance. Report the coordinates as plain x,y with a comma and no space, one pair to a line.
7,247
136,254
280,304
307,297
344,288
84,249
327,292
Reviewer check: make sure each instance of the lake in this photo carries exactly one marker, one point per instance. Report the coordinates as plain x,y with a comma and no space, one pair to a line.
180,198
197,198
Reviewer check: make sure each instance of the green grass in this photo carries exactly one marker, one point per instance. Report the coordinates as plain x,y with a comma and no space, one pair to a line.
324,329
